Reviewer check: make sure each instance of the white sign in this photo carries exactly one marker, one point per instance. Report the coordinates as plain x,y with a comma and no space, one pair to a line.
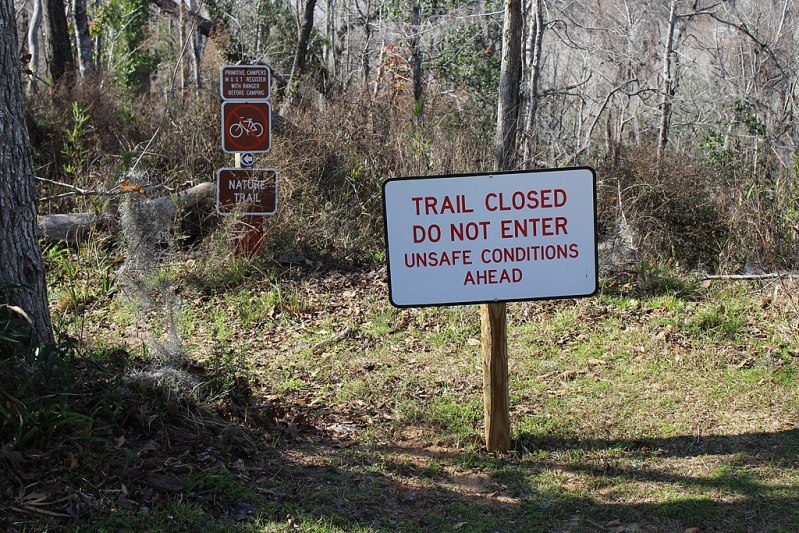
492,237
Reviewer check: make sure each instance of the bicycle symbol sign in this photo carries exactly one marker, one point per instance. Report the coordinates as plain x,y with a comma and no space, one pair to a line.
246,127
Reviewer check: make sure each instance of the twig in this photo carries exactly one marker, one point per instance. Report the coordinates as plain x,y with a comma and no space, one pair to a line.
62,184
343,334
772,275
21,312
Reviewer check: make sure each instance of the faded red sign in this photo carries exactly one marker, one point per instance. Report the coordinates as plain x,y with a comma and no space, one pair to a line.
246,127
246,191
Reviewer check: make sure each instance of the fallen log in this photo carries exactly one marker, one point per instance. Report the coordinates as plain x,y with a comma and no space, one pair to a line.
74,227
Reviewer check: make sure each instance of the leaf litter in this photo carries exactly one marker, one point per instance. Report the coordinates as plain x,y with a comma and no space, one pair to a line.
337,383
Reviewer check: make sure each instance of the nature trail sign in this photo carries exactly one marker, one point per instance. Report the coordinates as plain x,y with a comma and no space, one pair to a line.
498,237
250,192
246,129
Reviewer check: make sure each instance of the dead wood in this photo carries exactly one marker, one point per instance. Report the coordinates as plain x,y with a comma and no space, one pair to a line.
74,227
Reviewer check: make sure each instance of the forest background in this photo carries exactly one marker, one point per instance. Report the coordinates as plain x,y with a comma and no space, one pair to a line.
687,110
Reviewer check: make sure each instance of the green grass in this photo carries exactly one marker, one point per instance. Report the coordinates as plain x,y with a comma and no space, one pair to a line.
659,404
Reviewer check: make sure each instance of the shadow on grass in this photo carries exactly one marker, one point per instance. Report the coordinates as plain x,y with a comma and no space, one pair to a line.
760,447
650,487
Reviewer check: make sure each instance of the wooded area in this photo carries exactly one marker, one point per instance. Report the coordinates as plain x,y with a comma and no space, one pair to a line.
706,87
136,322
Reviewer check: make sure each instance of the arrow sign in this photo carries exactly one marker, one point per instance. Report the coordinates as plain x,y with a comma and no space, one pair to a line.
247,159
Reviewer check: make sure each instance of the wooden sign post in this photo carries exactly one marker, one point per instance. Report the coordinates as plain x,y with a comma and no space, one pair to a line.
496,408
490,239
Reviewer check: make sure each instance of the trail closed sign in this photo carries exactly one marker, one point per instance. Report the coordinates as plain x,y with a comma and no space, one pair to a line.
491,237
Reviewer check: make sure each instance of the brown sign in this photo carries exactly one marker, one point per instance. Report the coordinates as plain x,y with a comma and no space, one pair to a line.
244,82
246,191
246,127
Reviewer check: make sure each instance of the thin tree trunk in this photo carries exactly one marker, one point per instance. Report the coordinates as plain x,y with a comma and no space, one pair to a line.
365,66
82,39
196,55
416,53
329,49
33,43
60,50
22,281
535,41
181,48
668,84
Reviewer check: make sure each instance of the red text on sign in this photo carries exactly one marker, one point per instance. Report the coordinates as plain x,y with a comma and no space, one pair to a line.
533,227
519,200
430,205
470,231
493,276
434,259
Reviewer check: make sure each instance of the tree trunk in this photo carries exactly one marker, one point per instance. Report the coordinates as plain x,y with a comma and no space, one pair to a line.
83,39
509,77
60,51
195,50
22,281
331,50
33,43
298,66
416,54
181,48
668,84
367,45
535,42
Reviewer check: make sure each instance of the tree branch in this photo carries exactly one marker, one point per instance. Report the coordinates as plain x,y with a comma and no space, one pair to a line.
204,25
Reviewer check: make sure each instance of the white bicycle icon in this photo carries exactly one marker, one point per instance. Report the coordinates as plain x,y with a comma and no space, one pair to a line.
248,126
